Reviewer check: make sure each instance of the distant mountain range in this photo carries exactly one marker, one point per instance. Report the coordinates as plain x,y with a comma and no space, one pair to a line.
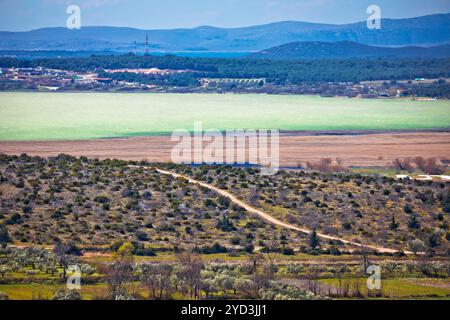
348,50
424,31
40,54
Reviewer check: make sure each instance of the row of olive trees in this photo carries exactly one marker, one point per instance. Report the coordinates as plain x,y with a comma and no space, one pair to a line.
192,278
34,260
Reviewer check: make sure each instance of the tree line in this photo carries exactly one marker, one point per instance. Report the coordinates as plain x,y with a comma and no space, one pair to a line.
276,72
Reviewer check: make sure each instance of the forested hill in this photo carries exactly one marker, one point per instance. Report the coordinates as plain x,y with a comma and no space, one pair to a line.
277,72
348,50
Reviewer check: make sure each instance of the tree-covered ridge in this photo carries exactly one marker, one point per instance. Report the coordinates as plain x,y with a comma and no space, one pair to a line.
348,50
276,72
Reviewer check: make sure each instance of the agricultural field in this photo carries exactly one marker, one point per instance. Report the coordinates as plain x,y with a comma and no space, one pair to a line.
31,116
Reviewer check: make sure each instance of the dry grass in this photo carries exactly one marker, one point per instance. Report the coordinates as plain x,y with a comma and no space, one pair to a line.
295,148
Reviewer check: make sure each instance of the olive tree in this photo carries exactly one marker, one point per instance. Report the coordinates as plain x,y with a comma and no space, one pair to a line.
119,271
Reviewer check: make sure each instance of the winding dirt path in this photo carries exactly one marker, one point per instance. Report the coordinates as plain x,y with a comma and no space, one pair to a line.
271,219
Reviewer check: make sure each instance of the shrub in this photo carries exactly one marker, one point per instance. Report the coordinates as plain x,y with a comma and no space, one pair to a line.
122,296
404,164
434,239
14,219
209,203
27,209
225,224
20,184
416,246
215,248
280,291
128,193
87,269
235,241
249,248
62,294
347,226
57,215
326,165
102,199
429,166
414,222
445,202
287,251
408,209
147,195
144,252
334,251
294,268
142,236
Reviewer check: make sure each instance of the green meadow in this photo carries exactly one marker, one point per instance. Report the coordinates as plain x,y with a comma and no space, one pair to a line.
424,288
71,116
401,288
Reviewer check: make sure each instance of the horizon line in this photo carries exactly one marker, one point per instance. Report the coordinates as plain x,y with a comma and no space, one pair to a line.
217,27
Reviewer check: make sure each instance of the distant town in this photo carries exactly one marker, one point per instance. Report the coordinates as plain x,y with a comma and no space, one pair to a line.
47,79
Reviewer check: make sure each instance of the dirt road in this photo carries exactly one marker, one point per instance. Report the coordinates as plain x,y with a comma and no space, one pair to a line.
271,219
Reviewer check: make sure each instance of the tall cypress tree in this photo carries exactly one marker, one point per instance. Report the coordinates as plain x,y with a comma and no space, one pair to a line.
4,236
314,240
394,224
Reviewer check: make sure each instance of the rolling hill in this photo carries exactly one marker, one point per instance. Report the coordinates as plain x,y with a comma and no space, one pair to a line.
348,50
426,30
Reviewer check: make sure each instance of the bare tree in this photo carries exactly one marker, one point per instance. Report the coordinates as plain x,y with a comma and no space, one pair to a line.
62,252
339,273
119,272
365,258
405,164
255,259
157,279
272,255
433,167
191,266
312,275
326,165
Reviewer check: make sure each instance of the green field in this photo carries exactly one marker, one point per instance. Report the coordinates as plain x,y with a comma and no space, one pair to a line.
70,116
402,288
424,288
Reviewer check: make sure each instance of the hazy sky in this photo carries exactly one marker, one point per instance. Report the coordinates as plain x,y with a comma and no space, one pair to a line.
21,15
